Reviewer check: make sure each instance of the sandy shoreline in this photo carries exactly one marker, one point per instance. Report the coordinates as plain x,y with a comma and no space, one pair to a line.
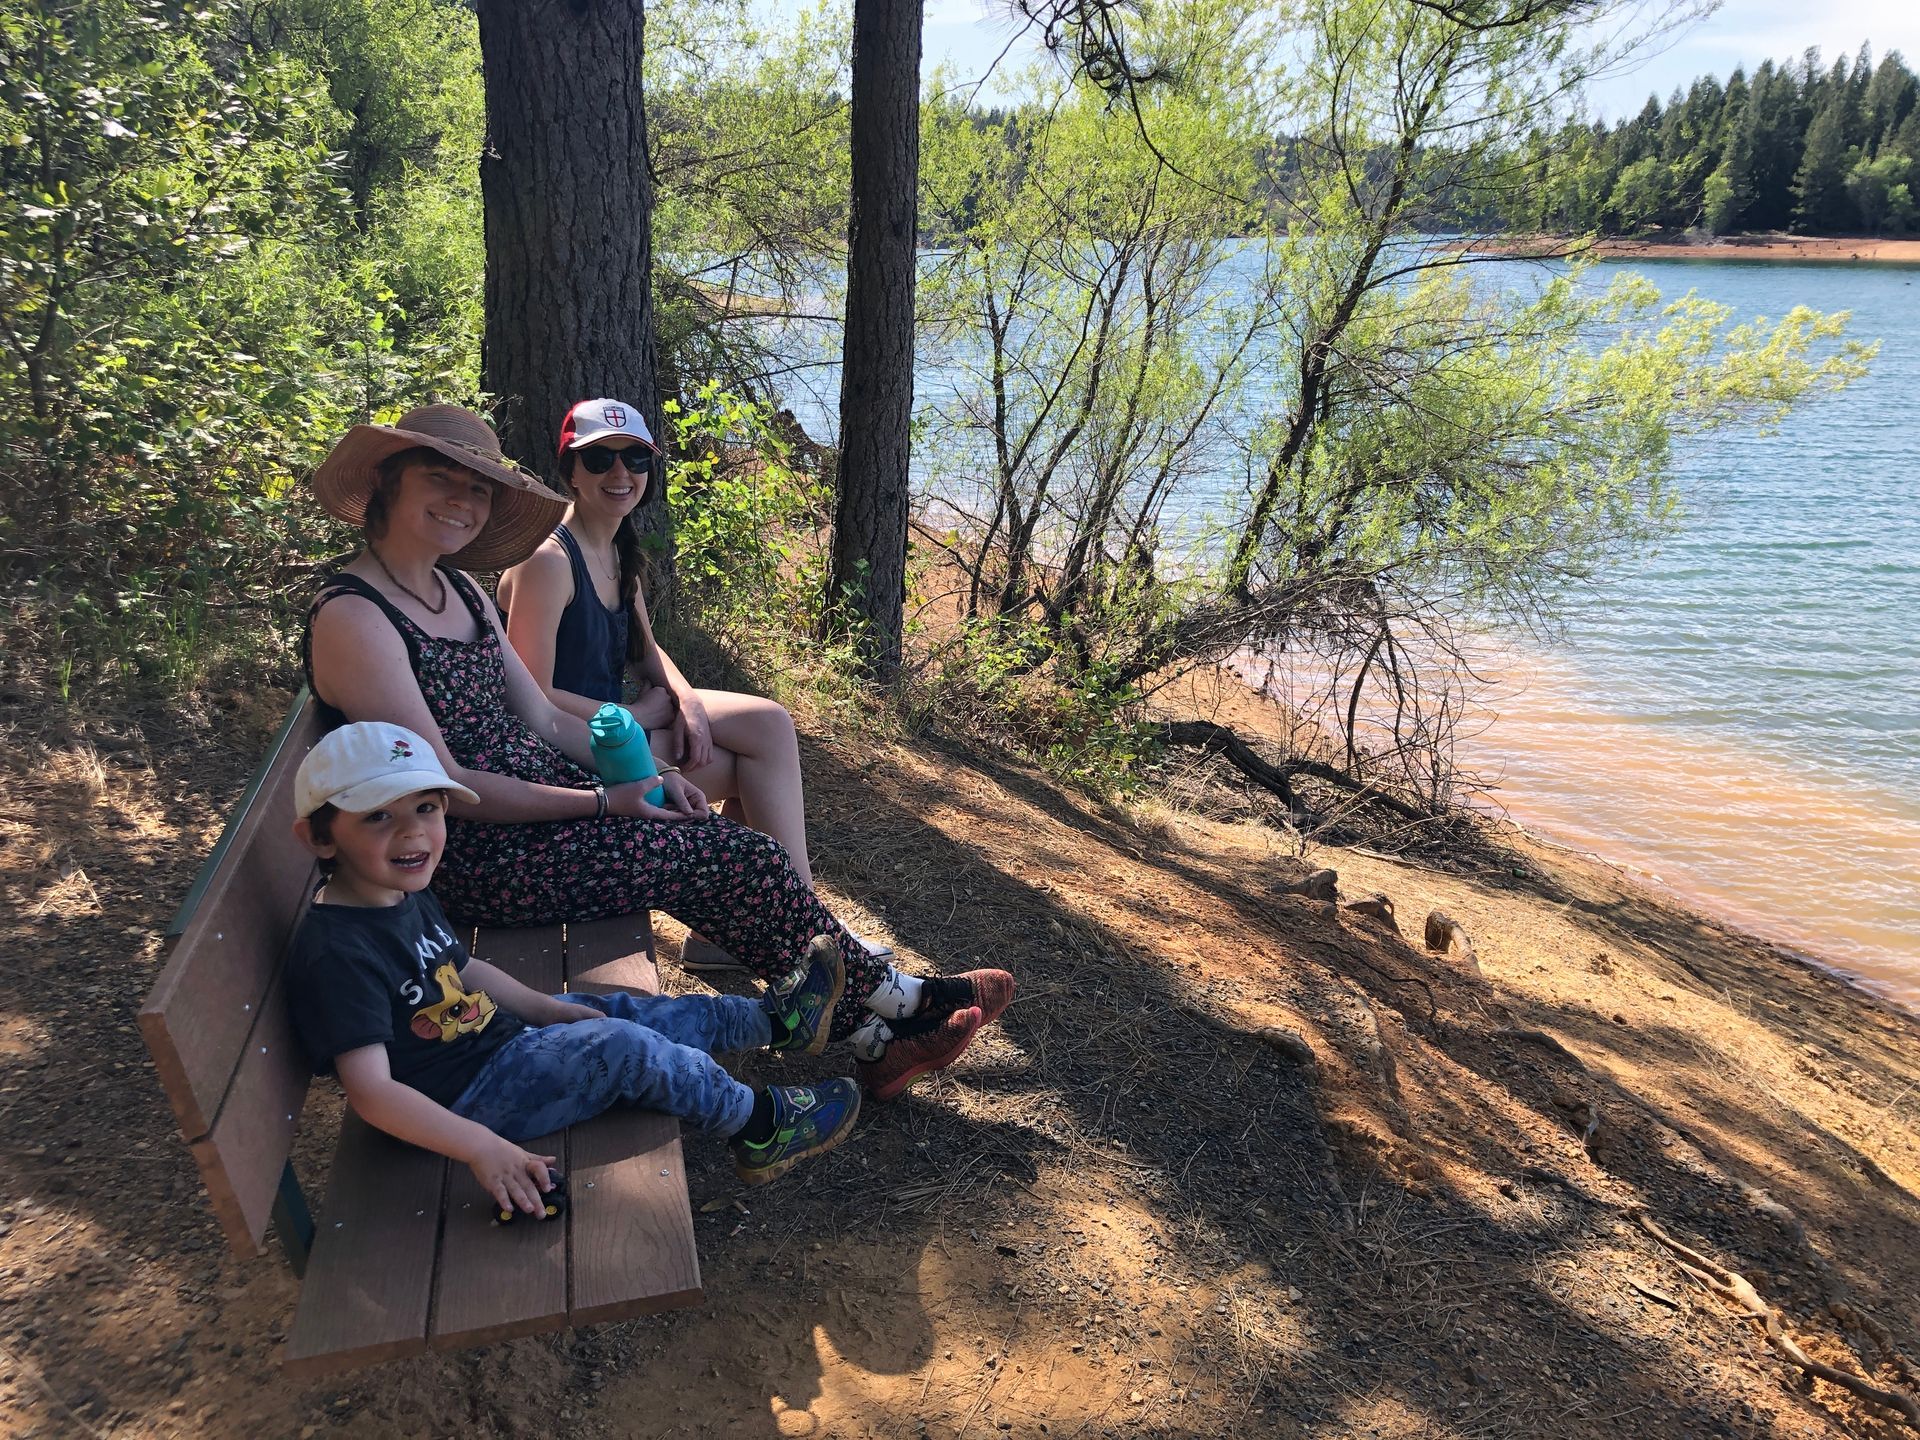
1879,979
1814,248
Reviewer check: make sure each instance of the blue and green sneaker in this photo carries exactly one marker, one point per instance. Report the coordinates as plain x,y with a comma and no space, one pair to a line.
801,1005
807,1120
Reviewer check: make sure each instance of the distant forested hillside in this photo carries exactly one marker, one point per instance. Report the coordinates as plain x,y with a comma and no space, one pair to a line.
1798,146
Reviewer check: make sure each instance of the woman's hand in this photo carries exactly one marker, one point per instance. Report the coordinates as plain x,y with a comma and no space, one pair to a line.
515,1178
686,797
682,801
653,708
693,733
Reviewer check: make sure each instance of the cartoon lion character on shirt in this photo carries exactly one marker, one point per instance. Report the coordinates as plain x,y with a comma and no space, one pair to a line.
455,1013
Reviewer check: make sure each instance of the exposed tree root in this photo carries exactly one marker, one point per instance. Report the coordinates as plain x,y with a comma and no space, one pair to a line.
1433,1005
1449,937
1374,907
1216,739
1320,885
1734,1287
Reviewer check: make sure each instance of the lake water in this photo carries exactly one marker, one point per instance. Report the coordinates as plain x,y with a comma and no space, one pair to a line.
1738,715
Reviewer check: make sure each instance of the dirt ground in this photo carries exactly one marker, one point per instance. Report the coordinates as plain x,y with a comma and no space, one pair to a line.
1841,248
1131,1209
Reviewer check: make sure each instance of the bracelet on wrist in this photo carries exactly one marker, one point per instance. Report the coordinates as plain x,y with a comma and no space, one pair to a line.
599,802
668,770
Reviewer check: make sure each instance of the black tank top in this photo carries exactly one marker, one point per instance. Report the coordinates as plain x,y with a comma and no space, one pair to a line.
590,648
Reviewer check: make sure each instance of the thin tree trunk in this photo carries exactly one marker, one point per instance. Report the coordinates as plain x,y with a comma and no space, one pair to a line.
876,376
568,199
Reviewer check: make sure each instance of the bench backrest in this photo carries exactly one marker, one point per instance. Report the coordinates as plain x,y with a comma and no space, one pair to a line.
214,1022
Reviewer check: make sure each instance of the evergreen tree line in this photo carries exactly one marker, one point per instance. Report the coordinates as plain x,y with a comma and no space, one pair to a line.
1797,146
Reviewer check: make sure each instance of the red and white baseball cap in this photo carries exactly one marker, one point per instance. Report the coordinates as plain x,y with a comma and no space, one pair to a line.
591,421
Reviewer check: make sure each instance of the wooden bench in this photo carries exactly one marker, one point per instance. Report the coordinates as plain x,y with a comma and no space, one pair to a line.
404,1257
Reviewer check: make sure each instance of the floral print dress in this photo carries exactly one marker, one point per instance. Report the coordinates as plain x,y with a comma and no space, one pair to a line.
732,884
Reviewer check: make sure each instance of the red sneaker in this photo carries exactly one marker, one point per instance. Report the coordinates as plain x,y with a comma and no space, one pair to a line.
992,992
919,1053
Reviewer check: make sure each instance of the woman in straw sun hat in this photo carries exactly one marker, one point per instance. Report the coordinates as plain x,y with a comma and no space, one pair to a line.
399,636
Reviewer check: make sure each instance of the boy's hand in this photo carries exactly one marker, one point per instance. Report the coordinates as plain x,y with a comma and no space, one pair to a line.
515,1178
565,1012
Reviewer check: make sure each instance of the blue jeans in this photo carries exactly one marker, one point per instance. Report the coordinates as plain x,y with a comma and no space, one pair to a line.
653,1051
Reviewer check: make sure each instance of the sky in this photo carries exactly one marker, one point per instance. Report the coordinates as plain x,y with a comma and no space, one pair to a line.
969,34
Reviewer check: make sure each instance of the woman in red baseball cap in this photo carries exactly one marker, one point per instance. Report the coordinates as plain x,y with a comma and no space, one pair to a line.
576,617
576,614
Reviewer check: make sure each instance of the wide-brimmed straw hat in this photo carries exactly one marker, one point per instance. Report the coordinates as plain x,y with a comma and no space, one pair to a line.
524,510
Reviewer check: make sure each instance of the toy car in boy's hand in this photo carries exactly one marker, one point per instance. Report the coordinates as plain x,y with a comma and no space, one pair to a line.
553,1204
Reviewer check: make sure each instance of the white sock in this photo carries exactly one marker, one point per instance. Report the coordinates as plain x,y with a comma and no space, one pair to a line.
869,1042
897,995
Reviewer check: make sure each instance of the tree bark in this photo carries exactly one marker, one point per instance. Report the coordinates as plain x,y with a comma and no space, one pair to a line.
876,377
568,196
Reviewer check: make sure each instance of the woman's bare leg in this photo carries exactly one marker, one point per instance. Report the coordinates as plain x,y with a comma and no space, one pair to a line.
756,762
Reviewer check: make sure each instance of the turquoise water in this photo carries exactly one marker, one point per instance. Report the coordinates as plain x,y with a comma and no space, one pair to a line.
1786,616
1738,714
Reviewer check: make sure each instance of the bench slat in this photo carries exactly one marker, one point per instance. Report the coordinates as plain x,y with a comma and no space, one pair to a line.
197,1018
241,1158
614,954
634,1249
497,1282
633,1244
371,1273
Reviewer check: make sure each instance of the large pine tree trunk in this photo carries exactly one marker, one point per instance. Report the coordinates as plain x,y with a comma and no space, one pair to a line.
876,386
569,210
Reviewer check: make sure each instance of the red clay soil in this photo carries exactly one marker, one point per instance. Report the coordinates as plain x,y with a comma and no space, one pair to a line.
1841,249
1131,1209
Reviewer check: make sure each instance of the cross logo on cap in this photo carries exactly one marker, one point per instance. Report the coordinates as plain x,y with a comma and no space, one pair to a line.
614,415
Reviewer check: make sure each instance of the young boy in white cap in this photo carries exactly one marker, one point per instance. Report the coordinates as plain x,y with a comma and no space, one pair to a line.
451,1054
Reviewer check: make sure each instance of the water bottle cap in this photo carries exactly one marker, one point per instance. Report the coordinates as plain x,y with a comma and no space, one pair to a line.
612,725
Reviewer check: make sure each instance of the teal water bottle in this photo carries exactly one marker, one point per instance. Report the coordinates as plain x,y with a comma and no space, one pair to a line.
621,752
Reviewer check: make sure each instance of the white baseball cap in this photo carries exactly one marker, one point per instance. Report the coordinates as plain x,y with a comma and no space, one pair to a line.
367,765
591,421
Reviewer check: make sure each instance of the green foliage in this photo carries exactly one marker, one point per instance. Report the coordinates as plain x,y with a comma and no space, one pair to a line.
741,510
232,230
1425,447
1824,203
190,314
1089,342
1882,193
748,130
1084,722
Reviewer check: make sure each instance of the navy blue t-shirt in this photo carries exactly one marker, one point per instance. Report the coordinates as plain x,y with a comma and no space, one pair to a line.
390,975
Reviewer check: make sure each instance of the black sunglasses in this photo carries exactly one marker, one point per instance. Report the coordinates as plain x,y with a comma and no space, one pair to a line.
598,459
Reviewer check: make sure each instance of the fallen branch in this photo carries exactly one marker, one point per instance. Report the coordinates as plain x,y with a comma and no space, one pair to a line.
1731,1286
1223,740
1660,1296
